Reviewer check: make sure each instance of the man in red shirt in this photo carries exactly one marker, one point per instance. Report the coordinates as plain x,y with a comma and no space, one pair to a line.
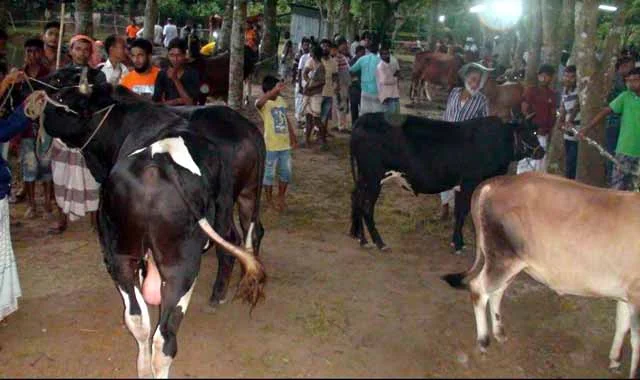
542,101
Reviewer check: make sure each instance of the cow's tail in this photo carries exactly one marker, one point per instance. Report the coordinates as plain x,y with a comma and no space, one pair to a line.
461,280
251,286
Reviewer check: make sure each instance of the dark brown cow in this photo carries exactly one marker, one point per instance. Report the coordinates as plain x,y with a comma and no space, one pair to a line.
434,68
554,229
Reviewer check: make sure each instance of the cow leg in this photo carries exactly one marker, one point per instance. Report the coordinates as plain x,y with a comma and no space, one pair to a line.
461,210
224,224
426,91
635,340
356,215
623,324
496,317
368,209
226,263
179,281
494,277
136,318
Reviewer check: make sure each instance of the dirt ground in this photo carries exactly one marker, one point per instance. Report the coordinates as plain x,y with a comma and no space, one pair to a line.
332,309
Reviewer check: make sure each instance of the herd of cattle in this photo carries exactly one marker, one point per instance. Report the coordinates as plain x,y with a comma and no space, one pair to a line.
212,158
432,68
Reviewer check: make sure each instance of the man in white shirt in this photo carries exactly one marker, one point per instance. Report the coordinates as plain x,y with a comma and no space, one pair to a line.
169,32
301,83
113,68
157,34
387,81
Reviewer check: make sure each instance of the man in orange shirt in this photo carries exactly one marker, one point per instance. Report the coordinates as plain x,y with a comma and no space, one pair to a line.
132,30
143,78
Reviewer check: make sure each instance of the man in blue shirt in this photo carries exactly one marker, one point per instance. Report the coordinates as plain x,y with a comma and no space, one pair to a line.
366,66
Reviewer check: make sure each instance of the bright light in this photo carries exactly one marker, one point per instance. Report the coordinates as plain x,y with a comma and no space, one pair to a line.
607,8
499,14
478,8
441,19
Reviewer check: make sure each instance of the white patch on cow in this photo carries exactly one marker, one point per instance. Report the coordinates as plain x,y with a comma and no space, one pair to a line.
207,244
399,178
140,328
178,151
184,300
457,188
161,362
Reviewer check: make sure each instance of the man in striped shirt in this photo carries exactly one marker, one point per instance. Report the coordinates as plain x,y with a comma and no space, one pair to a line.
465,104
570,118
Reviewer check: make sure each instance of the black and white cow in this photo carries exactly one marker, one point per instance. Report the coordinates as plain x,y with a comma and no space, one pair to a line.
428,157
166,178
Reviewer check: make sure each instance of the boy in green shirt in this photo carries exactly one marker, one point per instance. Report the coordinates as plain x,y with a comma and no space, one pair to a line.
627,104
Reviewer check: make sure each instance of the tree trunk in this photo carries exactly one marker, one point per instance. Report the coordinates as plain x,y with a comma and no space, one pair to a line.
330,19
84,19
565,33
551,43
535,42
522,40
150,16
224,39
594,81
236,62
269,39
346,20
3,15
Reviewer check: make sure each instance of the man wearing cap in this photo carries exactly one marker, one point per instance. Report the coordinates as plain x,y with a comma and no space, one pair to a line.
541,100
76,191
465,104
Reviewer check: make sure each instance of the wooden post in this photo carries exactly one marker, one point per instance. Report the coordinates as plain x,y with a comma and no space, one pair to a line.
60,36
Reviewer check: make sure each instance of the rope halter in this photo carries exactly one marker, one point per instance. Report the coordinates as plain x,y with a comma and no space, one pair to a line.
36,103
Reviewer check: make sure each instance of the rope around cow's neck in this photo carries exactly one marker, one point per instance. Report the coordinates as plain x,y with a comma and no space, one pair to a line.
36,103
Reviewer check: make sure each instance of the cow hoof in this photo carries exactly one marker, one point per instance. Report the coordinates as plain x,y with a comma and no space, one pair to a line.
500,338
385,248
483,344
457,252
614,366
366,246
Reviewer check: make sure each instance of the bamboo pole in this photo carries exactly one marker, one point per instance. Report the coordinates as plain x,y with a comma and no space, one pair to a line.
60,36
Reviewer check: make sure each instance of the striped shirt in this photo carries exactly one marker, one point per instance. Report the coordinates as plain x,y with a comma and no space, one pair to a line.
569,102
475,107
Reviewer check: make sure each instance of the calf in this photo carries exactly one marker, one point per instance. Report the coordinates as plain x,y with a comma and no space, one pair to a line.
574,238
431,156
164,178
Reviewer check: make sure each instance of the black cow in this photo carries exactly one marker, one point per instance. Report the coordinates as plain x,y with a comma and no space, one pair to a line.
165,179
430,156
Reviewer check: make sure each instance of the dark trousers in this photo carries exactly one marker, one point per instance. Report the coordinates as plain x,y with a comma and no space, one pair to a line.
611,140
570,158
354,100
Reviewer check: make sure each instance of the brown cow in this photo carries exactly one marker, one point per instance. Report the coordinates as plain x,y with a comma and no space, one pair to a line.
553,229
214,73
434,68
504,99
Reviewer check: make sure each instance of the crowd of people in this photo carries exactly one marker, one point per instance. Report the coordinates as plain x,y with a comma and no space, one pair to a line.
335,80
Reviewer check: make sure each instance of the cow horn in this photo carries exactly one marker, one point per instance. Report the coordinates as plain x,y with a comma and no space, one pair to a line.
83,86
